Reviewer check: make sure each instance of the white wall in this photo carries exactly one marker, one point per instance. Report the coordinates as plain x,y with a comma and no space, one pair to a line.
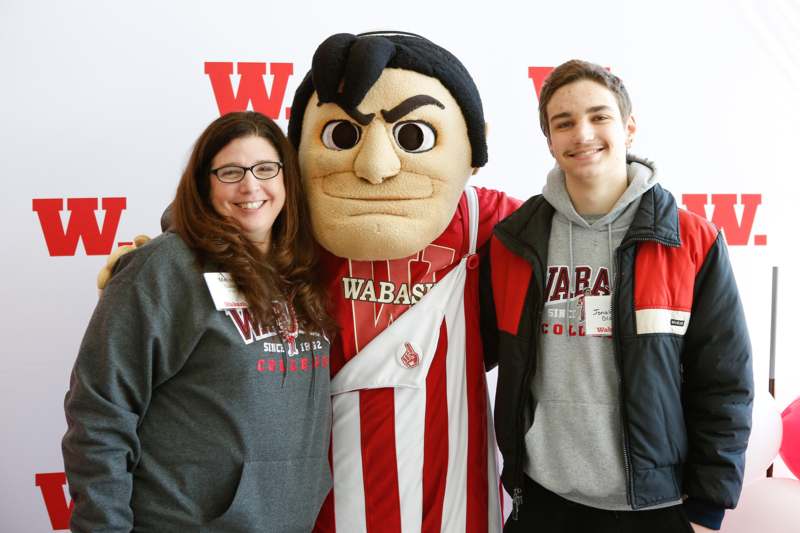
103,99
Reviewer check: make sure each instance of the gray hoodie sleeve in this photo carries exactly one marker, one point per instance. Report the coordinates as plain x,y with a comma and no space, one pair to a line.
127,349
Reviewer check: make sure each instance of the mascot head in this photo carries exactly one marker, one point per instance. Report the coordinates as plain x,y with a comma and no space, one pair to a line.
389,127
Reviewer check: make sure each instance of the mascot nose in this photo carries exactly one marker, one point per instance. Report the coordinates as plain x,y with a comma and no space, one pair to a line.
377,160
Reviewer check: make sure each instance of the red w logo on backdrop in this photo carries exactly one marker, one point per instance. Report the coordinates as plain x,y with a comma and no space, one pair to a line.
52,487
252,88
538,75
82,224
724,214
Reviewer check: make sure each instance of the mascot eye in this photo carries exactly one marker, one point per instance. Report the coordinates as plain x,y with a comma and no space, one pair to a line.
340,135
415,137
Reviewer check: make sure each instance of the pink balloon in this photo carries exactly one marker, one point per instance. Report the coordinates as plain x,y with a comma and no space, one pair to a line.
790,447
769,505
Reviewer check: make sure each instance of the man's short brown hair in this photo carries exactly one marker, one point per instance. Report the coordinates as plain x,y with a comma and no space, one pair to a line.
576,70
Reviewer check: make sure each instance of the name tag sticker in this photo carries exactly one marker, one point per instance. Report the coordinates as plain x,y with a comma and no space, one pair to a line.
598,315
223,291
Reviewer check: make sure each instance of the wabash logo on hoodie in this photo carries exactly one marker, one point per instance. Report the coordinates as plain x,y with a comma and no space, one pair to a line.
569,320
559,288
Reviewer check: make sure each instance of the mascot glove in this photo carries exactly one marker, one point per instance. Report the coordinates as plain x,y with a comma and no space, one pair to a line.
105,273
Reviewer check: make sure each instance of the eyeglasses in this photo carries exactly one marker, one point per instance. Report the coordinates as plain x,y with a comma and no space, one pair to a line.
264,170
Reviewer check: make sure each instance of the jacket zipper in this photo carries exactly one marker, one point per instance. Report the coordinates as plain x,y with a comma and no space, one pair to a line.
626,460
618,358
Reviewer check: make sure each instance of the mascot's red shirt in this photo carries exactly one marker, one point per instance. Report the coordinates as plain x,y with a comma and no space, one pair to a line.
412,446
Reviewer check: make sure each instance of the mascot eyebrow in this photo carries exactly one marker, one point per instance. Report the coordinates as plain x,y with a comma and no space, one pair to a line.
408,105
394,114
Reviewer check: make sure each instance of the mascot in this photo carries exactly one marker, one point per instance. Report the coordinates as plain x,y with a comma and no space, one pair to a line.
389,127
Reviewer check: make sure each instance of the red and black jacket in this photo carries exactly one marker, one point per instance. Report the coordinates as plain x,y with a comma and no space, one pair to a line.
681,345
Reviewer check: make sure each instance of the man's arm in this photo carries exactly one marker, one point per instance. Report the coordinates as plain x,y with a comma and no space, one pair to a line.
717,391
494,207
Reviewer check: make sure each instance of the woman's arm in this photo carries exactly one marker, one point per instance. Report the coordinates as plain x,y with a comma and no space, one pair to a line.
127,347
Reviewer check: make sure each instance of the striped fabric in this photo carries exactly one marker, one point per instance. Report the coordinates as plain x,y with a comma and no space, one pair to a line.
413,445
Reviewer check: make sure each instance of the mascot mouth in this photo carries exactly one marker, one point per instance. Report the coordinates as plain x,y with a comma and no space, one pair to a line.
398,188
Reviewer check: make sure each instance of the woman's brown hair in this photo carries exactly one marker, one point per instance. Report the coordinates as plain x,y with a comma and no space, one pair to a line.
288,271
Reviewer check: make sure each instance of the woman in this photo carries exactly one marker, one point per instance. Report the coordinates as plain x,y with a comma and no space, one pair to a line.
186,410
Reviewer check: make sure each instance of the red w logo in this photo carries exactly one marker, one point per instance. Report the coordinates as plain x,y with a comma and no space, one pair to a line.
538,75
724,215
252,89
52,487
82,224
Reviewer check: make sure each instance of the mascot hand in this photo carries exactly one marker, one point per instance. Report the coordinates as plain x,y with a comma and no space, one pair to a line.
105,273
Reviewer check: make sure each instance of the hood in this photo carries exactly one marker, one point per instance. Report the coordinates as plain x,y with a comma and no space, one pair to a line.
641,178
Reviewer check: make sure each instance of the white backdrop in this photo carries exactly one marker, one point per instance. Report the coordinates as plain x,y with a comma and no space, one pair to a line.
104,99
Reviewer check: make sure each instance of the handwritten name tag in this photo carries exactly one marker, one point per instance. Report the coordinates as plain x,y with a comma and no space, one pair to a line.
598,315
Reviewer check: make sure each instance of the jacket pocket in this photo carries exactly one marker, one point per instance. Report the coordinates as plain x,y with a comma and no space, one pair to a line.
653,402
277,496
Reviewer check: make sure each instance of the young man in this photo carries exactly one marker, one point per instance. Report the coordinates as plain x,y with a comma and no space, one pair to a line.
621,390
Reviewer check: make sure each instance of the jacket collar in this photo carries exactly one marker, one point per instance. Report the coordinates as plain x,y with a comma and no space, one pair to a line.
526,232
656,219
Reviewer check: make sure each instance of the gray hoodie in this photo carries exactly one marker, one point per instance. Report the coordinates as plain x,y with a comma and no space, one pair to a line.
185,418
574,447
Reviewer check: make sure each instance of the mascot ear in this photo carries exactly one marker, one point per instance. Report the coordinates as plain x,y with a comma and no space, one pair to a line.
486,134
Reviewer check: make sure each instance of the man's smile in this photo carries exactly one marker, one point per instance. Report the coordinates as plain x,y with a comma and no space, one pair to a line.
585,152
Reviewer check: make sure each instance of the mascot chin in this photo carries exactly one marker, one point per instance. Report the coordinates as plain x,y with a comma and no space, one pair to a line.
389,127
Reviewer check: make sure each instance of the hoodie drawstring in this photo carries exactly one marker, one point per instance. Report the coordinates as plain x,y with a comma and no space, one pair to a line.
570,276
610,260
573,282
